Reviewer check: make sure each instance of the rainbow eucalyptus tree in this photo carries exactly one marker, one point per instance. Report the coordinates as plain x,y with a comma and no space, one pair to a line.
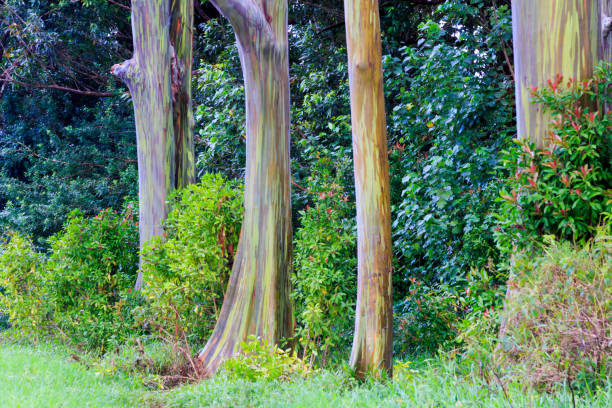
257,298
181,38
159,79
551,38
372,342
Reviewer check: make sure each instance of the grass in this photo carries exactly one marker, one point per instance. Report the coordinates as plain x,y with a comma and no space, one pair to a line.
45,376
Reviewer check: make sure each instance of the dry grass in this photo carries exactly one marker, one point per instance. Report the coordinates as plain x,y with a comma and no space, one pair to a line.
558,321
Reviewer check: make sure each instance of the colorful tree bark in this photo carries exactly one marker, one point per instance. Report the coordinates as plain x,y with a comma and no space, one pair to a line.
605,34
257,299
181,38
605,30
372,342
550,37
147,75
159,79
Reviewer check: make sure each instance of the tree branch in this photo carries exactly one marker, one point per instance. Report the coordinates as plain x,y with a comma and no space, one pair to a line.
61,88
244,15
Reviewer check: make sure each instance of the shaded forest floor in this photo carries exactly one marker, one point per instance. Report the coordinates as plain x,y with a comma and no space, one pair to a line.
47,376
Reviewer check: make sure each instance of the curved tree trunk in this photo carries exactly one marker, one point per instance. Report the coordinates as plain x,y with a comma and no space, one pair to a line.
181,38
372,342
257,300
147,75
550,37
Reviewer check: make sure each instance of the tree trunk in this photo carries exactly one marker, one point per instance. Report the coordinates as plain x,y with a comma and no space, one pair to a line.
181,38
550,37
605,30
372,342
605,35
147,75
257,299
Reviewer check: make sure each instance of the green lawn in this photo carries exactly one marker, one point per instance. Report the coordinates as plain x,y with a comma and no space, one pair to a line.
44,377
47,377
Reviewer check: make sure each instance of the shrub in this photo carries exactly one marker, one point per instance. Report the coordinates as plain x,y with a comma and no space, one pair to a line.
558,320
565,189
92,267
260,360
442,317
425,319
325,265
186,272
22,279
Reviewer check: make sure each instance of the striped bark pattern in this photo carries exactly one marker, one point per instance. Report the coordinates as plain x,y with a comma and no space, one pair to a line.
181,38
147,77
372,342
550,37
605,30
257,300
159,79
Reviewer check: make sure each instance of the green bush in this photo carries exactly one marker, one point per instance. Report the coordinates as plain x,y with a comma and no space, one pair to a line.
22,279
325,265
432,318
186,272
425,319
558,320
261,360
92,268
451,116
565,189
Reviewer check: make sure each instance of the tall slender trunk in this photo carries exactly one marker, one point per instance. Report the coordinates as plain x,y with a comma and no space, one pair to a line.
605,34
550,37
257,299
181,38
372,342
147,77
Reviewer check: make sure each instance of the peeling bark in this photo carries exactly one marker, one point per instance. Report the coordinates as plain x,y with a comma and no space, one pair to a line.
257,300
372,342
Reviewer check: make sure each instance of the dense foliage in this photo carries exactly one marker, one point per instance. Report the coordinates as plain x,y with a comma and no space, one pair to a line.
81,292
66,134
92,266
324,279
464,198
187,270
565,189
22,280
452,114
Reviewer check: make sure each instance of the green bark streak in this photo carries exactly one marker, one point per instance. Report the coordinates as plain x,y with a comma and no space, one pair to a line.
147,76
181,37
550,37
372,342
257,300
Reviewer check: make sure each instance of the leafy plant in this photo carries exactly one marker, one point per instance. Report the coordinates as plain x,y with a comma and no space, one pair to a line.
23,293
187,270
565,189
92,267
260,360
426,318
325,264
451,98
